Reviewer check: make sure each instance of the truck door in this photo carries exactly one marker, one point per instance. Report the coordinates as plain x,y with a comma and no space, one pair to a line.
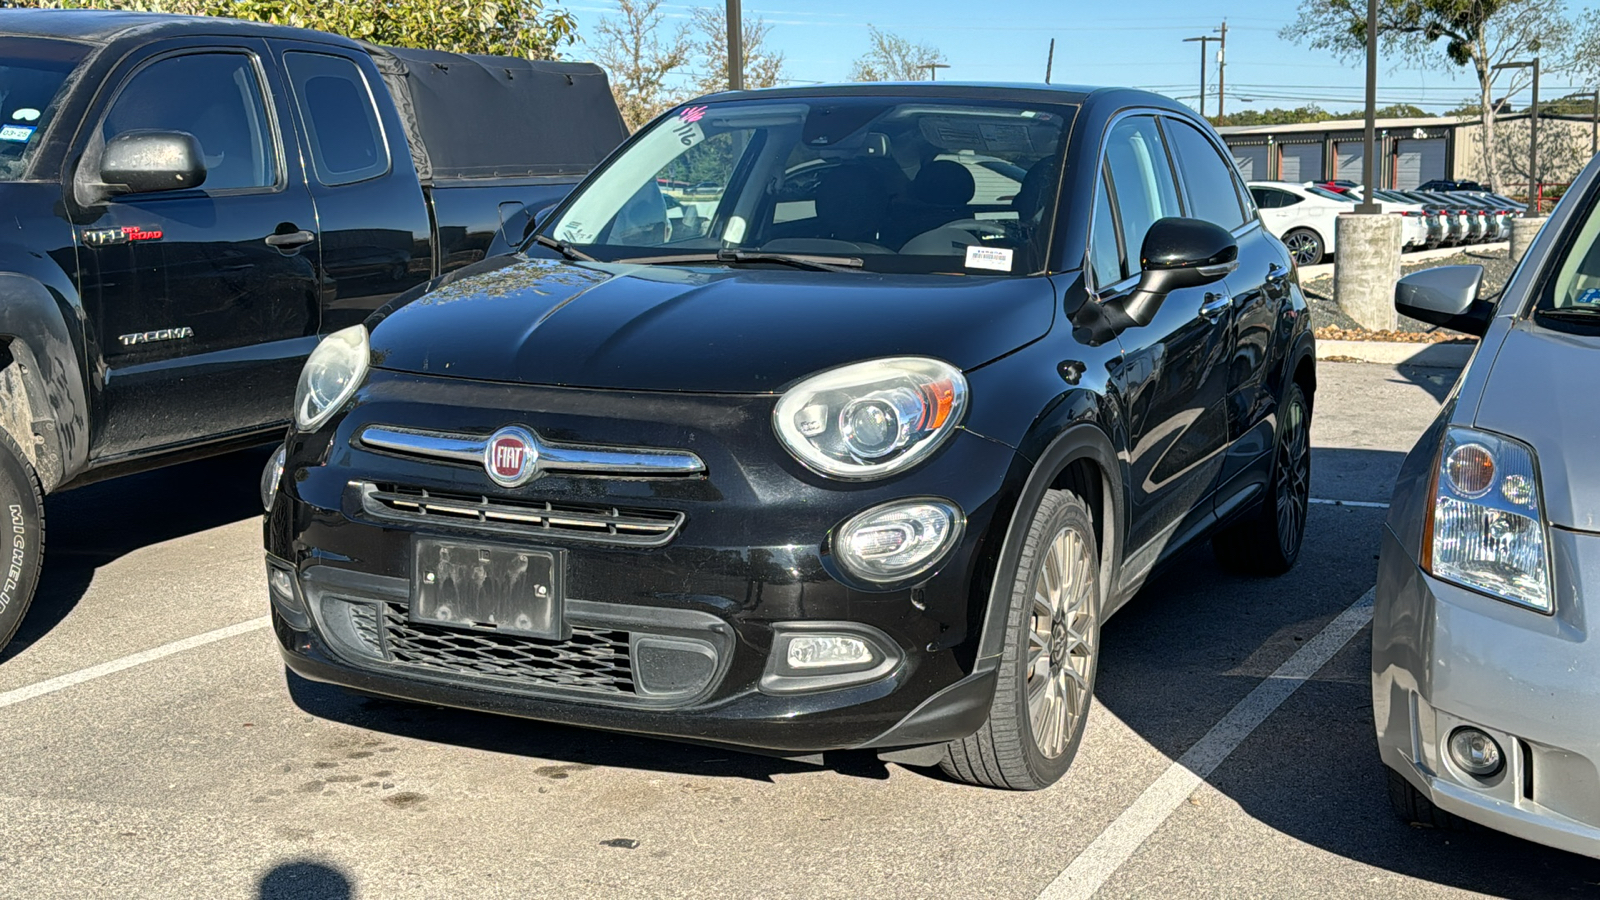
202,302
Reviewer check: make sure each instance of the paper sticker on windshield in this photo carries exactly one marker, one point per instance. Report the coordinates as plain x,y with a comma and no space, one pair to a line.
688,129
995,258
1590,297
26,114
16,133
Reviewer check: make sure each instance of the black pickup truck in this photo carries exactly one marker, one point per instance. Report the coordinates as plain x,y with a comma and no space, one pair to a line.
187,204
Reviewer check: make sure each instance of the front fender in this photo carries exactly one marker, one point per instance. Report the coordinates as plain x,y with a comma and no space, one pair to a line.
39,325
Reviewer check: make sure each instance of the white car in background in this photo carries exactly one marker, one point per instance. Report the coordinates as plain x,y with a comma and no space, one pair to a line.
1303,217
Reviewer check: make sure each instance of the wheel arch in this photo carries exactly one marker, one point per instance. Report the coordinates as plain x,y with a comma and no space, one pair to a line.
43,403
1082,459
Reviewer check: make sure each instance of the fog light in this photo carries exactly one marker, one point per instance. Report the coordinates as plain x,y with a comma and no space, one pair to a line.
827,651
1475,753
898,540
271,475
285,599
282,584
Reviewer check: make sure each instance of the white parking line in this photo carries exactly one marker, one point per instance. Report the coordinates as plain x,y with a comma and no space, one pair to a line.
62,682
1102,858
1364,504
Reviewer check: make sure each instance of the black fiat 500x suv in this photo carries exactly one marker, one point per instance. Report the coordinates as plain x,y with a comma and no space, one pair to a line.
814,419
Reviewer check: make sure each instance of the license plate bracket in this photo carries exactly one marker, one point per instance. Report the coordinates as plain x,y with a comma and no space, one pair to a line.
492,588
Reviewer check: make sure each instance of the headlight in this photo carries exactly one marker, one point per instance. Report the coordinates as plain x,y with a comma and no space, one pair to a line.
869,419
332,373
1487,530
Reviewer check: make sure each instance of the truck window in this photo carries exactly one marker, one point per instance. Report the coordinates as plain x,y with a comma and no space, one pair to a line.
32,72
347,143
217,98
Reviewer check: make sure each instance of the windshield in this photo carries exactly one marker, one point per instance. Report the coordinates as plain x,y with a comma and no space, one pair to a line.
31,74
917,186
1576,286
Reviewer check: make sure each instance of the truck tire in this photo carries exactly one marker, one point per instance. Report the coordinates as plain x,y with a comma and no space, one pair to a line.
1041,702
22,547
1413,807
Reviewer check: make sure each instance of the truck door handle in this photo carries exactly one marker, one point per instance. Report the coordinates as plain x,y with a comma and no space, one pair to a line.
1215,306
292,239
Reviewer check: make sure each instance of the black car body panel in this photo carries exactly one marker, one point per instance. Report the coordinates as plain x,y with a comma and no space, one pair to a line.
1167,429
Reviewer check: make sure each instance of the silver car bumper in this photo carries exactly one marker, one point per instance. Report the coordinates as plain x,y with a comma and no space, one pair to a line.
1444,657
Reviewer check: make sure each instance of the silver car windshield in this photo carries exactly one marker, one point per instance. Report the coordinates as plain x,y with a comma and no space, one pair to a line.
903,184
32,73
1577,283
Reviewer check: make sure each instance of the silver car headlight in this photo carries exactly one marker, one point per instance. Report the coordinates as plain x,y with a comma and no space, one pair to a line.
332,373
870,419
1487,527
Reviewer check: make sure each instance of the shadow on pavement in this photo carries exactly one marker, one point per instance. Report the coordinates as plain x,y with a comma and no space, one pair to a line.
1438,382
304,880
543,740
91,526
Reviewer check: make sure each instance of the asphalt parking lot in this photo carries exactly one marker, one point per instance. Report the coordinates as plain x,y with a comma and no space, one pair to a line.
135,766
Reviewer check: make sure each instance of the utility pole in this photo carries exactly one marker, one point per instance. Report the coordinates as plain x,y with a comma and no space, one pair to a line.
1050,61
1203,61
735,47
933,70
1222,70
1369,144
1594,125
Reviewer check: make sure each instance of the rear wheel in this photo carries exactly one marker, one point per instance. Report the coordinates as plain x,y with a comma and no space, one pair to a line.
21,536
1268,542
1046,681
1305,246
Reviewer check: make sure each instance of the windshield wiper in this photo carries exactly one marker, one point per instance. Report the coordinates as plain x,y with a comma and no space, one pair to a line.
1588,315
562,247
727,257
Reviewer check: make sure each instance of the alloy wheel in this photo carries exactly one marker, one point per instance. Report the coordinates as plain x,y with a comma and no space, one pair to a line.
1294,475
1061,635
1303,247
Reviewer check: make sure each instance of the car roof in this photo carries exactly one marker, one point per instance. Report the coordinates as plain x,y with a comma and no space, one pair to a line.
95,26
1038,93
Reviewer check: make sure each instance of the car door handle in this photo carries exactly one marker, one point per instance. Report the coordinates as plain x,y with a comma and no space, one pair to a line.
1215,306
1277,275
292,239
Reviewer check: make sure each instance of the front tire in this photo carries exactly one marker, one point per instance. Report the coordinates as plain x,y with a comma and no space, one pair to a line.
21,536
1269,541
1414,808
1305,246
1046,678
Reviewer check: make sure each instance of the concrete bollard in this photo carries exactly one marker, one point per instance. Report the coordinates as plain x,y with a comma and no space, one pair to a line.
1367,267
1523,230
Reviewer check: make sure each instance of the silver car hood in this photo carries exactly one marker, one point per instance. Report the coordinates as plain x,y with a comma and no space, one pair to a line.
1541,392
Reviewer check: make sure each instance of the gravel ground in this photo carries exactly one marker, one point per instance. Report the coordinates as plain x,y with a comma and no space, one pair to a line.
1326,313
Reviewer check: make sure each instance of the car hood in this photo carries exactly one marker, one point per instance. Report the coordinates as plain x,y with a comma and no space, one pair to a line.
604,325
1536,393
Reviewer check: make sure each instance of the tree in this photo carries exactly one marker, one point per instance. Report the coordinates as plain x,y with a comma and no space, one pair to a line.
1477,33
500,27
894,58
762,68
640,55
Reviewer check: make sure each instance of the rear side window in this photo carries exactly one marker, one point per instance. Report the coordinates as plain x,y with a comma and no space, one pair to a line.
1207,179
214,96
342,127
1105,258
1141,182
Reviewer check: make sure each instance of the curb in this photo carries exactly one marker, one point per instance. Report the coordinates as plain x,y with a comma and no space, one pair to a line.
1393,353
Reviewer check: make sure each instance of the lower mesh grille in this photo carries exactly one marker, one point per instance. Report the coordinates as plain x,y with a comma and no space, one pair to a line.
593,659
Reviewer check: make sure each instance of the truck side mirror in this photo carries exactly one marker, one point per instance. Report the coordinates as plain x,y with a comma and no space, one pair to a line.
1176,254
142,162
1446,296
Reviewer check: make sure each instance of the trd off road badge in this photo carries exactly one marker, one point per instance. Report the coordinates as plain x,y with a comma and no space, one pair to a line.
105,237
511,457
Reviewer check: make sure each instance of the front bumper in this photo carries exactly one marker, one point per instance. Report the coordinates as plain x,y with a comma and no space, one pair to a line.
1445,657
748,559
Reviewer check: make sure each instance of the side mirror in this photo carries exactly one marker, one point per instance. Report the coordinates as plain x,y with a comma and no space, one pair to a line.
1446,296
1176,254
141,162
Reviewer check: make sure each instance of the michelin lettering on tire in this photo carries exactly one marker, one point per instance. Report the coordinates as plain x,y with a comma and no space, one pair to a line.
19,550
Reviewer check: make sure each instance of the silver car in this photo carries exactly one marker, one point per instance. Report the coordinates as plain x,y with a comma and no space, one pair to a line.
1485,674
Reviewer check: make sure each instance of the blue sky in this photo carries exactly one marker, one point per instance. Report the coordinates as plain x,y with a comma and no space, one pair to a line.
1131,42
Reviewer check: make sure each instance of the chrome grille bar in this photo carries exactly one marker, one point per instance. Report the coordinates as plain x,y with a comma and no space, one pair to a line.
634,462
604,524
